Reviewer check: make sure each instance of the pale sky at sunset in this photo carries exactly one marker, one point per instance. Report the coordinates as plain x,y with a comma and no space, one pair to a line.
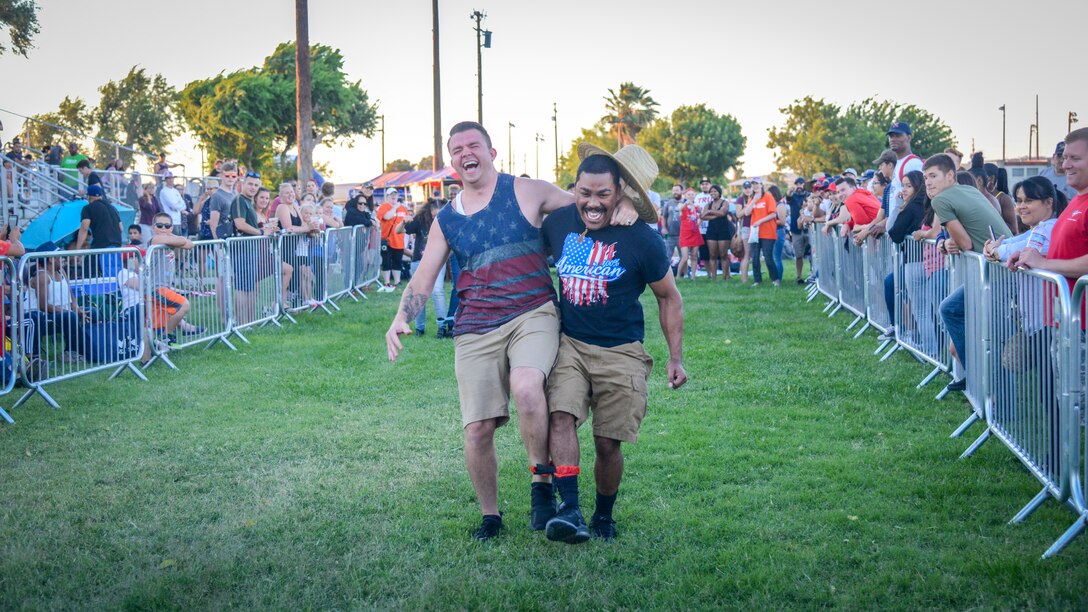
960,60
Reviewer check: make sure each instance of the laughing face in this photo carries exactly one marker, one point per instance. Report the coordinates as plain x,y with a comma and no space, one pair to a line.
470,156
596,196
1075,164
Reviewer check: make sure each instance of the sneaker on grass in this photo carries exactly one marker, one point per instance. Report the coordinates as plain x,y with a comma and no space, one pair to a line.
567,526
602,527
489,528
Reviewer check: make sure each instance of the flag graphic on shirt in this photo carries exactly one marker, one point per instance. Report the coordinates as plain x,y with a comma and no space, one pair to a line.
585,269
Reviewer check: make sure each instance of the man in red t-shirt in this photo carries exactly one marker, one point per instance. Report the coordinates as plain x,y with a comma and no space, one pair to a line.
1068,253
861,205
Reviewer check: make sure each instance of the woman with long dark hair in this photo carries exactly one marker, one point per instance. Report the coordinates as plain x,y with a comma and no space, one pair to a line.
912,209
719,232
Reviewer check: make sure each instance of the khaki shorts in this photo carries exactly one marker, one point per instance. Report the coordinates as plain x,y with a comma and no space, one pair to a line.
610,380
482,362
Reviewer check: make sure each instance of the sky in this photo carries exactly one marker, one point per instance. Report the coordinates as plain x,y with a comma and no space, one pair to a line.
960,60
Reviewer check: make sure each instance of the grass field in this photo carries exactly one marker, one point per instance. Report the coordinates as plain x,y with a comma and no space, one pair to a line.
307,472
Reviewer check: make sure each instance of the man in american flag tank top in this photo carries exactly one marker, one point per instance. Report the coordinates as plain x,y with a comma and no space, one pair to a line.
506,329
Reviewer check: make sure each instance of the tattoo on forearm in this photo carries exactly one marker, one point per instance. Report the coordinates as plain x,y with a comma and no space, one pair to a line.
412,303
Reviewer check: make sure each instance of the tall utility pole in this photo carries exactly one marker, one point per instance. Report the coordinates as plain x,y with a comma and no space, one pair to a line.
510,145
383,142
1002,109
539,138
303,92
1036,127
555,120
437,162
1072,119
483,40
1033,132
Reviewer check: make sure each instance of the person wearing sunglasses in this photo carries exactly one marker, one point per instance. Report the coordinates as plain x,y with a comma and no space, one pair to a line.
220,202
168,307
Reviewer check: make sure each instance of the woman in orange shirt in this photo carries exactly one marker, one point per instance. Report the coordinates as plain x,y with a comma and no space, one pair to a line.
764,214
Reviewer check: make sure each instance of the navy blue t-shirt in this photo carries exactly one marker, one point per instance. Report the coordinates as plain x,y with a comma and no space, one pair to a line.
602,275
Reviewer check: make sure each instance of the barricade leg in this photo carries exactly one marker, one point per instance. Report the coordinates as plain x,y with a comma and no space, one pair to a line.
1066,537
1032,506
7,417
40,391
976,444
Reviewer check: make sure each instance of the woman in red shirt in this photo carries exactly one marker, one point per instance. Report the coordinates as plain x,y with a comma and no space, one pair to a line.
690,238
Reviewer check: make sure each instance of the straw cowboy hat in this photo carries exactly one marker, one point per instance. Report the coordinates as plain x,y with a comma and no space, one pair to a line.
638,170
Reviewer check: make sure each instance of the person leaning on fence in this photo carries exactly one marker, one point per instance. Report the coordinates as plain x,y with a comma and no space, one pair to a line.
506,332
220,202
601,365
51,309
1068,253
969,218
168,306
244,262
908,219
265,260
149,207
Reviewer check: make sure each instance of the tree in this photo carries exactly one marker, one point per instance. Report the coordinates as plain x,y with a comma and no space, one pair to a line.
341,109
20,17
250,114
930,135
139,112
71,114
600,134
399,165
629,111
426,163
695,141
822,137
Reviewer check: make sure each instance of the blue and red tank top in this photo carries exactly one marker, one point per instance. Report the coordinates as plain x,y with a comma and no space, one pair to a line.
504,270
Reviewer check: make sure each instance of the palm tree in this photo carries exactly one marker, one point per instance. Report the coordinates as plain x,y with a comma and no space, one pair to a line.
629,111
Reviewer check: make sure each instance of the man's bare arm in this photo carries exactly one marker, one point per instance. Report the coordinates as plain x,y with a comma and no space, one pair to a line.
418,290
671,316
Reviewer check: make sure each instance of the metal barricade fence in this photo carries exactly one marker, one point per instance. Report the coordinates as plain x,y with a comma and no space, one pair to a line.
257,279
368,257
9,345
1027,312
80,313
827,279
1071,352
339,262
879,257
187,295
813,287
976,340
851,279
307,289
921,284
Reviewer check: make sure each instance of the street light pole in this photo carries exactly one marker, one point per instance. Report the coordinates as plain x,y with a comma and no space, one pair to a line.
539,138
383,142
510,145
555,120
1033,132
1002,109
1072,119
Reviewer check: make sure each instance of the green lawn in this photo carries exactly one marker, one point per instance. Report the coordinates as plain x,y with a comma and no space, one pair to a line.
306,472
